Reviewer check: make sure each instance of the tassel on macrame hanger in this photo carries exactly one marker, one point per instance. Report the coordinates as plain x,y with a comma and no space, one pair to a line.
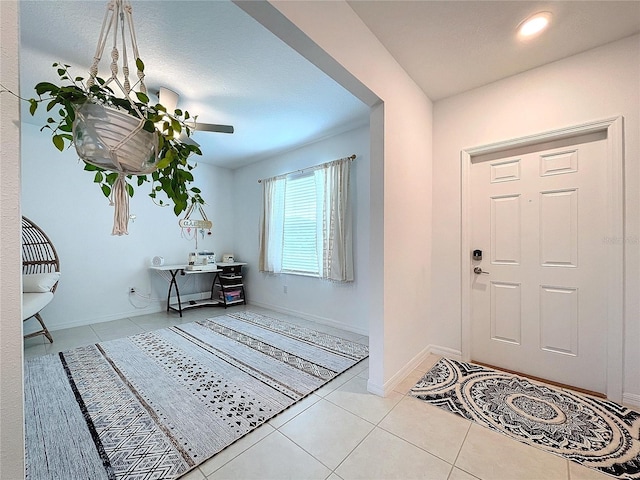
131,150
119,199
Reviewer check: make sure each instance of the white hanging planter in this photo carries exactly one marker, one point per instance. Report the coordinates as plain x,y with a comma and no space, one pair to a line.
104,120
114,140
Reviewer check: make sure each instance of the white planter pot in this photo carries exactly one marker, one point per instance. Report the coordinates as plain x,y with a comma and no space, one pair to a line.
113,140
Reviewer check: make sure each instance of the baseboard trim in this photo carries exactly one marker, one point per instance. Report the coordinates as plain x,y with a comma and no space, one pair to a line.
153,308
389,385
375,388
314,318
445,352
159,306
401,374
631,399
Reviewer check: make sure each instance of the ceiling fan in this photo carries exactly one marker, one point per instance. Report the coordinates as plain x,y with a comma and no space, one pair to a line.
169,99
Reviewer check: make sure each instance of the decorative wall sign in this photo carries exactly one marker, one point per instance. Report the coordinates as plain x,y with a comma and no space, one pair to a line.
190,226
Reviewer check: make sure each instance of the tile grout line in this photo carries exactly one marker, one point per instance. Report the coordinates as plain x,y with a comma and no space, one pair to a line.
239,453
340,407
460,450
417,446
353,450
374,425
378,426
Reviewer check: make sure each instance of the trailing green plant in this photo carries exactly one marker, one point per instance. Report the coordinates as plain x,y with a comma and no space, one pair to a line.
173,174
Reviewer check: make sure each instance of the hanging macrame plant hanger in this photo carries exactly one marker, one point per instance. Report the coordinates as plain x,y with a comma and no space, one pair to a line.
109,138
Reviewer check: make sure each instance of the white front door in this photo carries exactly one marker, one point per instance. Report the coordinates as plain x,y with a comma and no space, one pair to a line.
539,216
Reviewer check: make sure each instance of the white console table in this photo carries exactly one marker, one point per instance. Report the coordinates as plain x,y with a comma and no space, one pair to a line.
220,273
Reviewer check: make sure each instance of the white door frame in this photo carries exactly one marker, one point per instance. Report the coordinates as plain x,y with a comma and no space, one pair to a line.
614,239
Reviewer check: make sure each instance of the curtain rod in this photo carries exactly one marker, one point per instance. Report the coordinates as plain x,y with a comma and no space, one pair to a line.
352,157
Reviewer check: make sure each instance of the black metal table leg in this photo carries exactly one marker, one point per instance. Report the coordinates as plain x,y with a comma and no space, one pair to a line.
174,284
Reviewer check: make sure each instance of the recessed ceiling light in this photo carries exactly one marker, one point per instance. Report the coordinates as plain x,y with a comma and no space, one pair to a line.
534,24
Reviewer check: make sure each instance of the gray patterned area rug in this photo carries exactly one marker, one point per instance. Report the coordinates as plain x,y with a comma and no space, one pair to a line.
155,405
596,433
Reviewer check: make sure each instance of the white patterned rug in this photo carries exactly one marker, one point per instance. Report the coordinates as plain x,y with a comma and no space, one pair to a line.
155,405
596,433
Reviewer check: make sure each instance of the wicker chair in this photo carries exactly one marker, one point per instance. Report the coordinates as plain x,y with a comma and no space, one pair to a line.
38,257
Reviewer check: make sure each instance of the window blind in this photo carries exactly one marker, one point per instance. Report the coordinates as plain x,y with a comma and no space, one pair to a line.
299,253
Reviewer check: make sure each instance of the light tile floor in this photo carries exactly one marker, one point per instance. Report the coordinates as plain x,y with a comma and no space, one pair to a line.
343,432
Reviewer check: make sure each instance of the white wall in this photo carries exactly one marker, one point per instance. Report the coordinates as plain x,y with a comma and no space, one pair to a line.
401,148
98,268
342,305
11,396
598,84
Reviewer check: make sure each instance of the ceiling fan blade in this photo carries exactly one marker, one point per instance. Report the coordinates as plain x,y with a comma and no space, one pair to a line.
184,138
213,127
169,99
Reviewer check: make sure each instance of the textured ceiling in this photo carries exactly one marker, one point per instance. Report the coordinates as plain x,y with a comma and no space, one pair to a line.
229,69
449,47
226,67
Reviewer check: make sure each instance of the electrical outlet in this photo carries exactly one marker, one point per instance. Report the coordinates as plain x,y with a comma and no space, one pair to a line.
132,290
285,288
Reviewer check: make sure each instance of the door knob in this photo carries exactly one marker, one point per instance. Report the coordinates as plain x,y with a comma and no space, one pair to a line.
478,271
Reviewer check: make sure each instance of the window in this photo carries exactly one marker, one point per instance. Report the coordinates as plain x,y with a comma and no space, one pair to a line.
305,226
300,229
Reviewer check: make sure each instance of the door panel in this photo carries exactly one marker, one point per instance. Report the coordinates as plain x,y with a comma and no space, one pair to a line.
559,228
540,305
506,311
559,163
505,171
505,229
559,319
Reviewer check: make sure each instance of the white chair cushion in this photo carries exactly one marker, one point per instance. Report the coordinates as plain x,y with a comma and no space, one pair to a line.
39,282
32,303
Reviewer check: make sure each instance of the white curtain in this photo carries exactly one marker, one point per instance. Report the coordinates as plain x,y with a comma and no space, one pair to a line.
337,231
271,225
